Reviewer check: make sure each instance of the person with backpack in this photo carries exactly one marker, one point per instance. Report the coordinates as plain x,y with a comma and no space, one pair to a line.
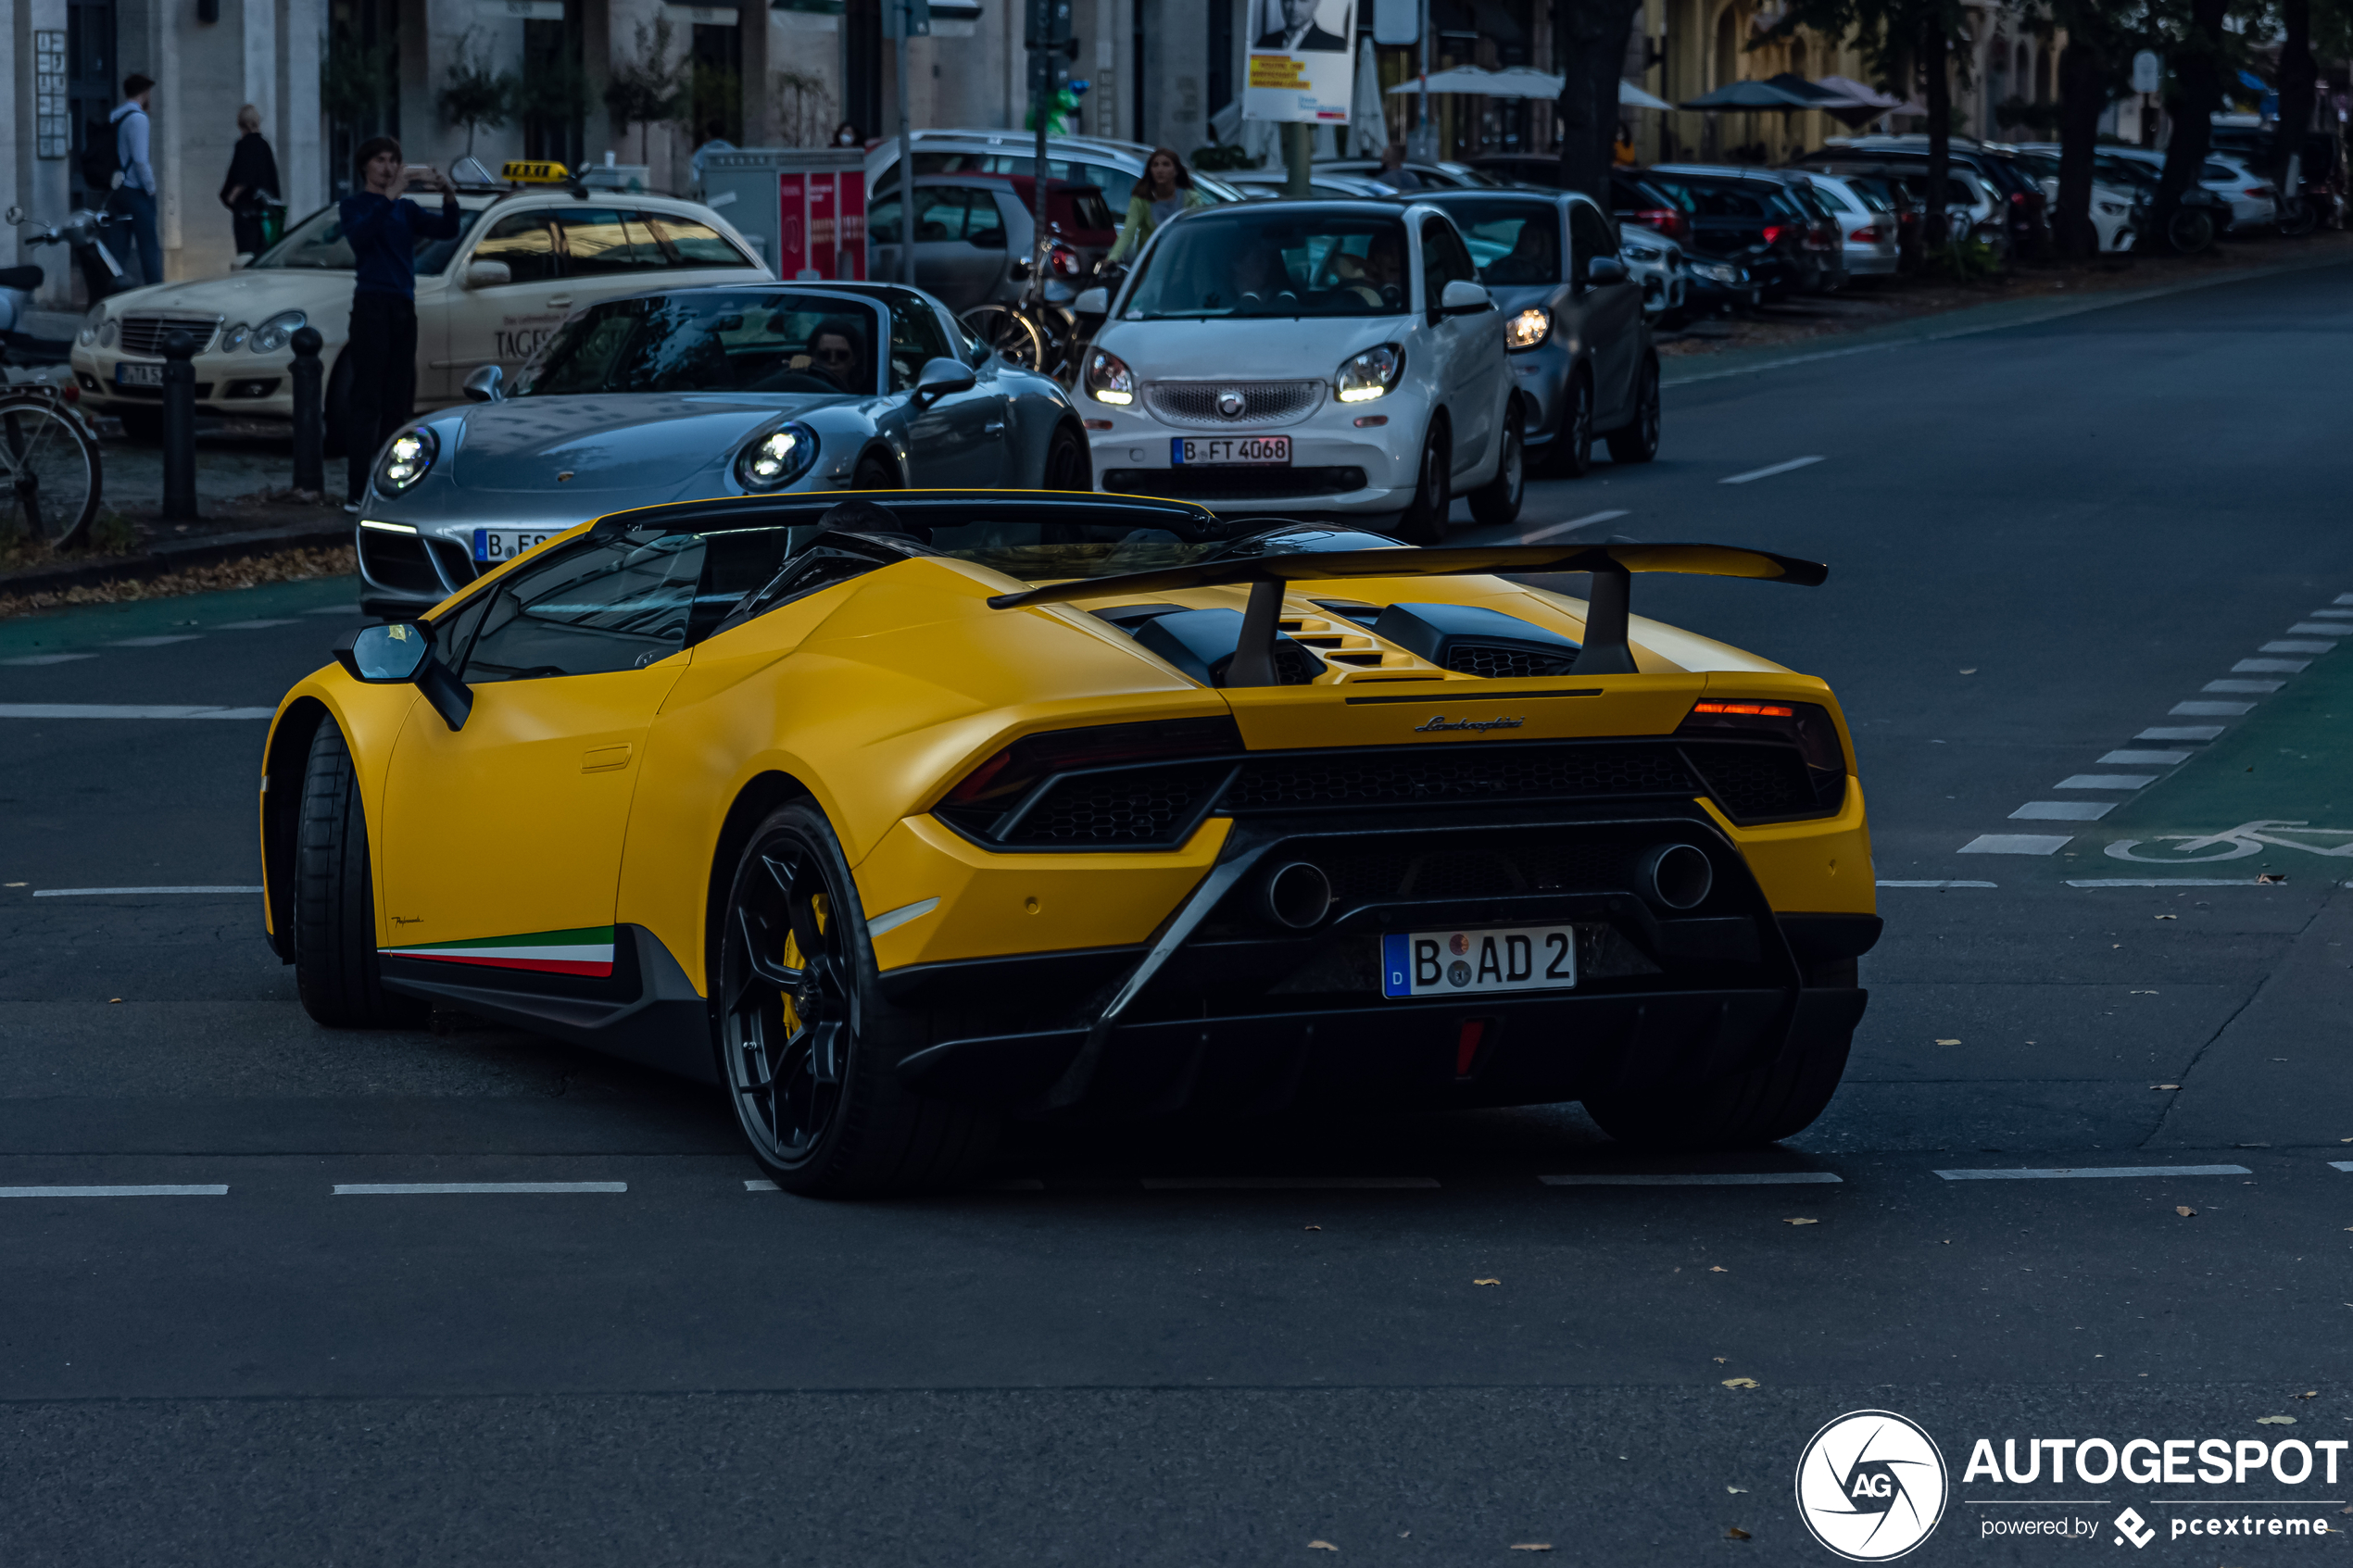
135,195
253,175
382,227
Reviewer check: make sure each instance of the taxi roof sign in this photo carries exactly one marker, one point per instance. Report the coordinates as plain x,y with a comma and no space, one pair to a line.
533,172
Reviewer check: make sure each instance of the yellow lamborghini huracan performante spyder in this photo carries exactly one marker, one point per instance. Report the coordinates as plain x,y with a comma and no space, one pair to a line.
895,816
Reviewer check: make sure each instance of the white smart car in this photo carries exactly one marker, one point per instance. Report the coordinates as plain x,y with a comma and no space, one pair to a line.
1334,357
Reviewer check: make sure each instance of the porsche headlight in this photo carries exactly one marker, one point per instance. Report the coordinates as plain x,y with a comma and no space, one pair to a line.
776,459
1370,374
234,338
1109,380
272,334
406,459
106,334
1528,329
90,325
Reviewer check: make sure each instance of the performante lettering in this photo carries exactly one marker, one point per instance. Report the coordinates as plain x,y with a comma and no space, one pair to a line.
1442,722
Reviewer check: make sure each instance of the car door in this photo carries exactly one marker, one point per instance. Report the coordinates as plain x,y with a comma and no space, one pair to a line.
1468,350
1612,315
503,840
957,441
502,325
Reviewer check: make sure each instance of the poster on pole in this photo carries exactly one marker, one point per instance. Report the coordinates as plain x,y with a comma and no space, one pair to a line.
1300,67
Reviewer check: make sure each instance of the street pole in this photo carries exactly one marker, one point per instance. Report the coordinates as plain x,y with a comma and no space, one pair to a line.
1423,149
1044,77
1298,150
906,151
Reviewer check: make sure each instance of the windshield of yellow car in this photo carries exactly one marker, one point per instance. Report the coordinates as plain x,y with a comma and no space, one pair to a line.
752,341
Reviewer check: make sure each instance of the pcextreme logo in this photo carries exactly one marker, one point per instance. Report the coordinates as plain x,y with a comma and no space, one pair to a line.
1871,1486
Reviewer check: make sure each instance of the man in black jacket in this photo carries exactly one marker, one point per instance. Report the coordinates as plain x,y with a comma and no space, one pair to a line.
252,174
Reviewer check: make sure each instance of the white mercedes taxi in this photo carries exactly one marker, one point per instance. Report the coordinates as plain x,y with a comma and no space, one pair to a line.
1333,357
524,260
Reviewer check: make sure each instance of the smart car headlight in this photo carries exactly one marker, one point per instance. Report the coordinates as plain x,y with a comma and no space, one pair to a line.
90,325
1528,329
1370,374
776,459
1109,380
272,334
405,459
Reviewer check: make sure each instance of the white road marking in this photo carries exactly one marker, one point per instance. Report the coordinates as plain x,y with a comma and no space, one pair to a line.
2296,646
1794,464
2323,628
2170,882
2146,759
2341,1164
116,1192
2241,685
759,1184
48,658
114,710
2345,598
112,892
2271,667
2014,844
2104,781
1694,1179
2062,810
2182,732
2062,1173
2211,709
1570,526
1939,884
404,1189
250,625
156,642
1279,1184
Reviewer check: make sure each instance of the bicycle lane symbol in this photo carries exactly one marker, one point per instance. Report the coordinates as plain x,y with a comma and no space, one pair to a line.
2234,844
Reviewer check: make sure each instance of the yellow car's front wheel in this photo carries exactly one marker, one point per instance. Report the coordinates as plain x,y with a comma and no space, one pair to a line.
807,1047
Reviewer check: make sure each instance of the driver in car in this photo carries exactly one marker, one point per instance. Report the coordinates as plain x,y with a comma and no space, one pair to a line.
1373,276
835,349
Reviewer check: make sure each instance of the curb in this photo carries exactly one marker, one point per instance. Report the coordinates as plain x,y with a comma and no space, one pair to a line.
1957,323
174,556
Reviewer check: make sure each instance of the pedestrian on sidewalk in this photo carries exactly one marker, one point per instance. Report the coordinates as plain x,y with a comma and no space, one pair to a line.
382,227
252,174
135,195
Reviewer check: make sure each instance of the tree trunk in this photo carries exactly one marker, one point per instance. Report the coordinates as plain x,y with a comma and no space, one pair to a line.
1592,45
2197,93
2082,96
2298,86
1933,50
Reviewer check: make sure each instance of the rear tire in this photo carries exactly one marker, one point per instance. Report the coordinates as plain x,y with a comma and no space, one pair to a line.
336,971
1638,443
1068,464
1572,450
1497,502
2191,231
1760,1106
1424,520
807,1047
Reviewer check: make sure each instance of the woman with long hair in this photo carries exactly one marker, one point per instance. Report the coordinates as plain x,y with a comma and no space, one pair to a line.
1165,191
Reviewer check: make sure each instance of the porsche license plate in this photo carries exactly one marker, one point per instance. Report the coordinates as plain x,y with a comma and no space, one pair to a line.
1255,451
506,544
1455,963
138,375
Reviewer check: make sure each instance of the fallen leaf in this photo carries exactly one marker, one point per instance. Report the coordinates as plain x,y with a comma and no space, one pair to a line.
1801,1222
1721,1359
110,1000
2310,1394
2165,1086
2184,1211
1487,1282
1736,1489
2169,917
1969,671
2270,876
2275,1420
1532,1546
1739,1383
2130,993
15,884
1948,1241
1321,1546
1949,1042
1717,1269
1311,1227
1735,1532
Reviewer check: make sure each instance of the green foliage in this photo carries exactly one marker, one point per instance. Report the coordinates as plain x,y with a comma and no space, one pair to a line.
354,79
1965,262
112,534
476,95
1217,159
650,89
552,93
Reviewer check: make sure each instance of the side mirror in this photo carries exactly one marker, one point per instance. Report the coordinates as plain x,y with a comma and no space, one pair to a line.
1091,302
401,652
1462,297
940,377
1604,270
488,275
486,384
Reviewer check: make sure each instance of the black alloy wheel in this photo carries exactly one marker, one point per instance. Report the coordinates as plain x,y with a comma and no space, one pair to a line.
807,1047
1572,454
1068,465
1424,520
1638,443
2191,230
1497,502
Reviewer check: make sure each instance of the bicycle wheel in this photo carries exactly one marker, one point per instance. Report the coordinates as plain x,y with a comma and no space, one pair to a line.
1007,331
2192,230
2298,218
49,473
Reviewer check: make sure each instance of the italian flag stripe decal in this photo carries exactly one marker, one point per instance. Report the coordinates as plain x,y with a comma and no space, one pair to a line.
586,951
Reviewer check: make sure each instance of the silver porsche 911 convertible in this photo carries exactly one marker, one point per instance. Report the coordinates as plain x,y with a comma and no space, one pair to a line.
702,393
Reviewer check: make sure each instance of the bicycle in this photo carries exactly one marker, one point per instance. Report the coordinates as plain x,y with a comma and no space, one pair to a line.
1040,332
51,474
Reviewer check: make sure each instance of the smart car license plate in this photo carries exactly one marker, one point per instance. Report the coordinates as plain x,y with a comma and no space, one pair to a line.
506,544
1504,957
138,375
1258,451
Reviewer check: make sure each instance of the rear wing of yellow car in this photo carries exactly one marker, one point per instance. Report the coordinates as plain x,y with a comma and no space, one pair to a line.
1603,652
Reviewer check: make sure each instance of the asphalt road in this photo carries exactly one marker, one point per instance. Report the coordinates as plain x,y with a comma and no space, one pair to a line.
1391,1337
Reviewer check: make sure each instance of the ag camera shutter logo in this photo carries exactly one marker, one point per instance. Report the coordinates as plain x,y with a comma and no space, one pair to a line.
1871,1486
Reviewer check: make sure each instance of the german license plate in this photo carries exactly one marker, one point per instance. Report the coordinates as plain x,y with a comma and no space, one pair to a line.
125,374
506,544
1261,451
1456,964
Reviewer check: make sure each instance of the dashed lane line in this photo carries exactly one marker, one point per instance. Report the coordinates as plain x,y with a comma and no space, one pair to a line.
124,710
1790,467
116,1192
437,1189
2341,1164
2014,844
2063,811
1692,1179
2105,781
1282,1183
251,625
2180,732
2170,882
1941,884
2143,759
2063,1173
155,642
2212,710
1570,526
113,892
48,658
